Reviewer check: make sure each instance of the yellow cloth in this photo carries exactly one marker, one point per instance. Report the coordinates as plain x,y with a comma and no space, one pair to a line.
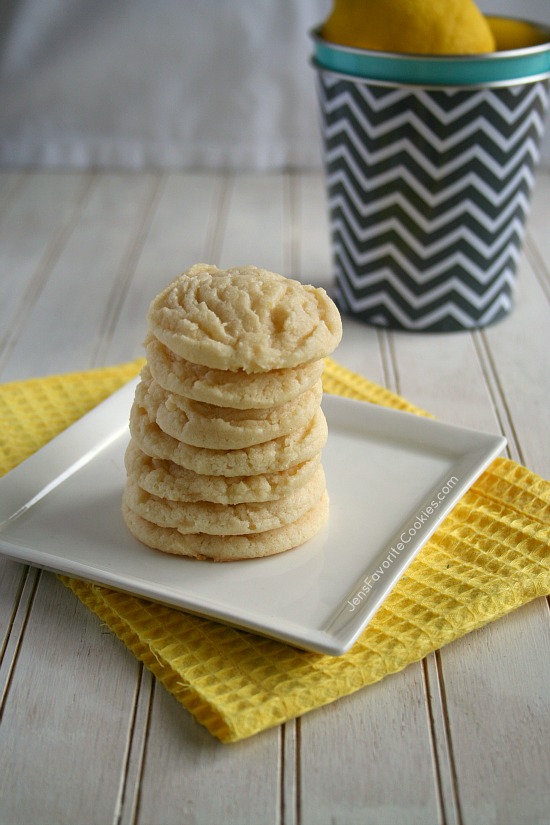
491,555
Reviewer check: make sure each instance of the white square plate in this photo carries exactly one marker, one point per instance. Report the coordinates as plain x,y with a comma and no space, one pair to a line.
392,478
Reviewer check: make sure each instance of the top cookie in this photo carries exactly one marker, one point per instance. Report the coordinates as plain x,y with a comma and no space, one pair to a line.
244,318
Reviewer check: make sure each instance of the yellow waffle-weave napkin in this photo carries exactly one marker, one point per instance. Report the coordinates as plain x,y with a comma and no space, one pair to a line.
490,555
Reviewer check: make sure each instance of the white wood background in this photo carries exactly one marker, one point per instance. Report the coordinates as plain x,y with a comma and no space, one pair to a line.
86,736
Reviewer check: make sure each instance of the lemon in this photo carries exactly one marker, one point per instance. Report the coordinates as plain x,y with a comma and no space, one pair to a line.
414,26
515,34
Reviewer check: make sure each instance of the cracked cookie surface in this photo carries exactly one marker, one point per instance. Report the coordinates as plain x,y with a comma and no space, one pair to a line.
163,478
224,388
244,318
225,519
229,548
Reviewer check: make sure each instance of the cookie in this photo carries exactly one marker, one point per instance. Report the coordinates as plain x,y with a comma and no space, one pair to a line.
163,478
240,390
244,318
229,548
269,457
224,428
225,519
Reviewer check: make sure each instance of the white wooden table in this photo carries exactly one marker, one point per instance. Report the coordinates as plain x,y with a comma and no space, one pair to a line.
86,735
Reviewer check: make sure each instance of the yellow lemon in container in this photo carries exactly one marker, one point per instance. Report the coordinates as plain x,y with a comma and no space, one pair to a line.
413,26
515,34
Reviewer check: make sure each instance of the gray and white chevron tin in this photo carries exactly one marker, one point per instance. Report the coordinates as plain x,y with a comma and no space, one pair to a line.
428,193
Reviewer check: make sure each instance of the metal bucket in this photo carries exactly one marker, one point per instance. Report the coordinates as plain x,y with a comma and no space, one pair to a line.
429,184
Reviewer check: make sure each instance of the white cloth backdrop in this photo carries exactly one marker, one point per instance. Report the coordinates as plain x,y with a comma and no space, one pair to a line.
166,83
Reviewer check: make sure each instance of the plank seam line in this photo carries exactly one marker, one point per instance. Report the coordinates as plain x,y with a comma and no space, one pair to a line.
17,600
217,223
298,772
390,374
541,271
24,606
448,735
292,221
282,797
126,269
496,393
12,193
135,753
37,283
432,728
128,750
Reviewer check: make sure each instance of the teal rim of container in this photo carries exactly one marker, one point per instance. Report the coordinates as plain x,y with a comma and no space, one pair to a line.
489,69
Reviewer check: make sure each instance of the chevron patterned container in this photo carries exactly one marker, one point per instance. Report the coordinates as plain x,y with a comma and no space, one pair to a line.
428,190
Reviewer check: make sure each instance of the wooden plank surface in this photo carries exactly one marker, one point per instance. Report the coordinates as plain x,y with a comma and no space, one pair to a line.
67,716
86,735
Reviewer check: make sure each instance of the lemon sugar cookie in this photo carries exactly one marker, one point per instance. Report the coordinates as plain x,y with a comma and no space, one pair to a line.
224,428
233,548
165,479
238,389
244,318
225,519
227,430
269,457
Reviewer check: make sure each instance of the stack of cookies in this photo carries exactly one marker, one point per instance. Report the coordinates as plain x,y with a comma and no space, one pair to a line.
227,431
